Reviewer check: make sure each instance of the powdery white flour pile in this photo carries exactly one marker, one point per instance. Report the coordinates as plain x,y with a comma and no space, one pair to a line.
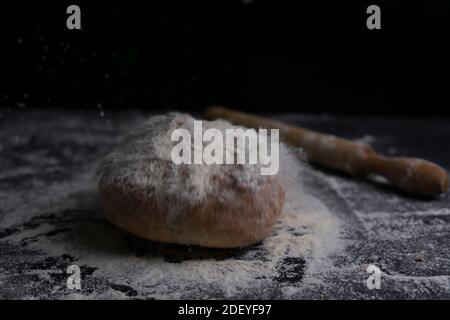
296,257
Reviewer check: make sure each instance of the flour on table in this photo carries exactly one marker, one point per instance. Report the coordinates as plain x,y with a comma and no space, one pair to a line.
294,257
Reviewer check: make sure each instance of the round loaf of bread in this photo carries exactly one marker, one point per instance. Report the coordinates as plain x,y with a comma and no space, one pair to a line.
214,205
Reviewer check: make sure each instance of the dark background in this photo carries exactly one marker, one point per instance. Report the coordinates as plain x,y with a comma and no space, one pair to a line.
303,56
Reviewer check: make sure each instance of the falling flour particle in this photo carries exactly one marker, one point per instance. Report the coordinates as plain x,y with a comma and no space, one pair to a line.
367,139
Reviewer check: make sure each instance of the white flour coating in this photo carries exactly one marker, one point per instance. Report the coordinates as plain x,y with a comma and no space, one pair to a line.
143,162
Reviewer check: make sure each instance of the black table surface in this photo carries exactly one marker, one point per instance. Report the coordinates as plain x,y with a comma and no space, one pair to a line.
49,217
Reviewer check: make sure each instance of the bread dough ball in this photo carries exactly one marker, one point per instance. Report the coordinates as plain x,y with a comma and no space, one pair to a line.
218,205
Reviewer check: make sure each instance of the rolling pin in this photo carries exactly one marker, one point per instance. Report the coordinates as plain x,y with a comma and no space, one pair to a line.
413,175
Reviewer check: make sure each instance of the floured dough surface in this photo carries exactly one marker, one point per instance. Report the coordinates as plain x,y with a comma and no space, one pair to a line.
217,205
144,161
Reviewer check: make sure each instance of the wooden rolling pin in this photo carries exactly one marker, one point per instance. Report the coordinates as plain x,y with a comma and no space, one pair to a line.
413,175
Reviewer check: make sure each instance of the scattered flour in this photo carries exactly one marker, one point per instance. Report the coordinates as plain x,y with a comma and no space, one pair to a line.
367,139
49,220
307,231
296,256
